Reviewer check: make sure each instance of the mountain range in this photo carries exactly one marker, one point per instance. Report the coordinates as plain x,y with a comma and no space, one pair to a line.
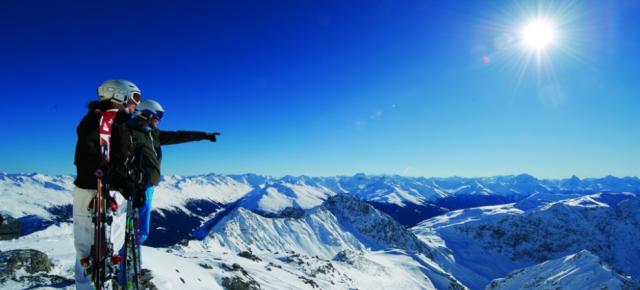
362,231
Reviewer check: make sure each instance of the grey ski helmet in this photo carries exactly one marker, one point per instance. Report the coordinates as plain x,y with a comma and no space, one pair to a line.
119,91
148,109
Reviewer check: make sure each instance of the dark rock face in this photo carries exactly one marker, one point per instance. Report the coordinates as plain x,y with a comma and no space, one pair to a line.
239,282
37,266
289,212
31,260
249,255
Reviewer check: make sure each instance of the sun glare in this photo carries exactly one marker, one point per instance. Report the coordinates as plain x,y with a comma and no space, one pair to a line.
529,38
538,34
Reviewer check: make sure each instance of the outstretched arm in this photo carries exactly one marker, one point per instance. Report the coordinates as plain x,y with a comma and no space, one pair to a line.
177,137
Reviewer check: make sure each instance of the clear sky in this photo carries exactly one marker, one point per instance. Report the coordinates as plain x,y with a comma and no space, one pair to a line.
417,88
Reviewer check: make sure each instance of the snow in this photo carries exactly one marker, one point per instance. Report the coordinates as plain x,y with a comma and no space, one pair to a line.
273,201
464,257
384,270
460,217
309,196
339,242
582,270
33,194
274,198
56,241
539,199
175,191
323,233
583,201
481,244
317,234
398,196
174,272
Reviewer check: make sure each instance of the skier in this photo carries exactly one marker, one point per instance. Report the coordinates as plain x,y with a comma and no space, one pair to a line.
113,94
147,139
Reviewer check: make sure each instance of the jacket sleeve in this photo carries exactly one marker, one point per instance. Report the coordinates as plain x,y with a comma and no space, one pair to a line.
177,137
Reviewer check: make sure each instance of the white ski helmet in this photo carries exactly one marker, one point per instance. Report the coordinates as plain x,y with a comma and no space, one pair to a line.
149,109
119,91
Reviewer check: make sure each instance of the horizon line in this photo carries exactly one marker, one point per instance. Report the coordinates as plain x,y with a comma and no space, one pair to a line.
346,175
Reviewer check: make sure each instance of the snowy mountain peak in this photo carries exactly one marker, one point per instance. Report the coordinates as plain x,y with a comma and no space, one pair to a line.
339,223
582,270
317,233
376,229
276,197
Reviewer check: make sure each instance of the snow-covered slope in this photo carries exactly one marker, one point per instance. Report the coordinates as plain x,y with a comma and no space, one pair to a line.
174,191
506,237
340,223
317,233
170,271
180,203
365,247
183,203
36,194
272,198
33,194
582,270
323,232
317,251
461,255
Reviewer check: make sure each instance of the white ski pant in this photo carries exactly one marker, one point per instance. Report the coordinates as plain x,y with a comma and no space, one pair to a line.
83,229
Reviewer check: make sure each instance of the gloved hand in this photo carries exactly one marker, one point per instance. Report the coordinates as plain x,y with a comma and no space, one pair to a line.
211,136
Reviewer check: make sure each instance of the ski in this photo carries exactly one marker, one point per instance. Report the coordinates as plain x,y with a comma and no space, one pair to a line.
100,265
131,266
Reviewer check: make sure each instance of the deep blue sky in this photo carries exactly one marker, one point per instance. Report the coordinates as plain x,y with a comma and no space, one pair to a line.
333,87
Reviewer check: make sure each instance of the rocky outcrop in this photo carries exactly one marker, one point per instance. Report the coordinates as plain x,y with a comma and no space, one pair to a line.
30,268
381,230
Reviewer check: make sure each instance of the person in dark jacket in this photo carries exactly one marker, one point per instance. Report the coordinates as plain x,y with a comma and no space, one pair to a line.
148,139
88,158
114,94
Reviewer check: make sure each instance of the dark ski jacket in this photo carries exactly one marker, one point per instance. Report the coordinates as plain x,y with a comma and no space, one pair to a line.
147,142
87,154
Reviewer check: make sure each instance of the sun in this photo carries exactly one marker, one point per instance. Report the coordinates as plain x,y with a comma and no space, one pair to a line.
538,34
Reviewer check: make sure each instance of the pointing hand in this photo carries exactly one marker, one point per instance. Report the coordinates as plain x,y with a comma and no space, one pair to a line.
212,136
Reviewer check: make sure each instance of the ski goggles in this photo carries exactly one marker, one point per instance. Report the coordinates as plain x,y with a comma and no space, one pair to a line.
158,115
134,98
148,114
